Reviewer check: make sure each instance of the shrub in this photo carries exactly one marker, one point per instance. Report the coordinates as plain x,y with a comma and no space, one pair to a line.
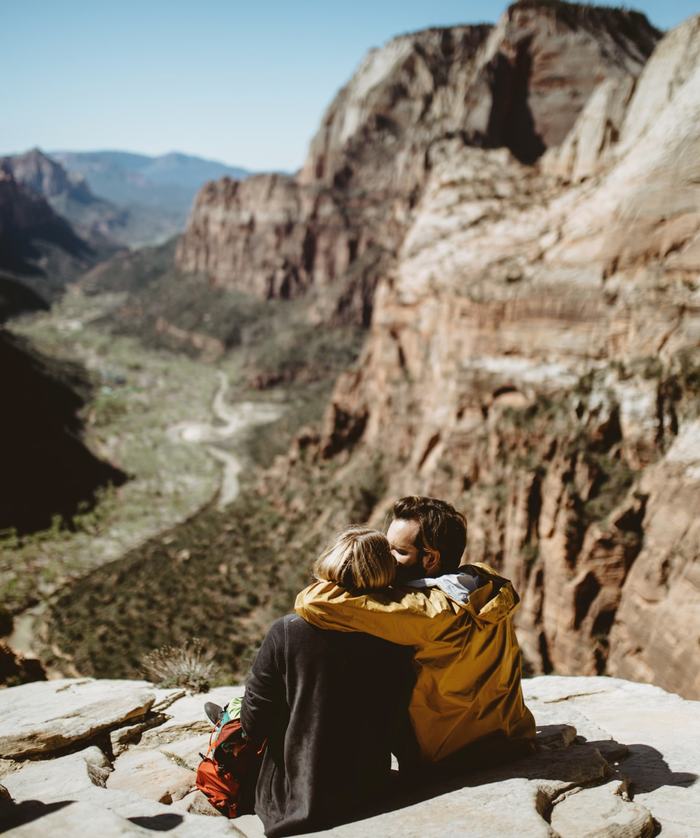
189,666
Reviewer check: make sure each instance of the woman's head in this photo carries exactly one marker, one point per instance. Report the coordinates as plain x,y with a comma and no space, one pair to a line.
359,559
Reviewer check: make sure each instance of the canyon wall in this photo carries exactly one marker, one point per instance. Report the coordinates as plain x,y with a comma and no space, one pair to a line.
514,211
48,471
334,227
534,356
34,240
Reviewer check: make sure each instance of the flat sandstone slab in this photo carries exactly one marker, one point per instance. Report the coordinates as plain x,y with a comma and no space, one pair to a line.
152,775
45,716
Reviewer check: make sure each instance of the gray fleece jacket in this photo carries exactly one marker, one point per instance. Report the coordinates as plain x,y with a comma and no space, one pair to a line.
329,704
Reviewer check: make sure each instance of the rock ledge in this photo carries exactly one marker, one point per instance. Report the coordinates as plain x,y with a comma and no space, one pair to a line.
614,759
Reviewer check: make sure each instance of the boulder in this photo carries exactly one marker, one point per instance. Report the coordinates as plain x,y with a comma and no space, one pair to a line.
122,737
68,795
63,778
152,775
660,760
601,812
48,715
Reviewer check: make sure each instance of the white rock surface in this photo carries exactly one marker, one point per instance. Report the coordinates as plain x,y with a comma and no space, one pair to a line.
71,818
186,716
614,757
499,809
45,716
66,797
59,779
661,732
186,750
152,775
601,811
197,803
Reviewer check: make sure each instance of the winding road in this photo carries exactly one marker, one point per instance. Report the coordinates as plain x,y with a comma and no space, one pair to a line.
234,419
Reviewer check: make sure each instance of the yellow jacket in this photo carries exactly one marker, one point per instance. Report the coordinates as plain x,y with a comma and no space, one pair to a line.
466,654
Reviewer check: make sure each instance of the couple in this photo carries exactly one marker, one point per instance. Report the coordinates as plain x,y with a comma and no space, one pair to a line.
396,648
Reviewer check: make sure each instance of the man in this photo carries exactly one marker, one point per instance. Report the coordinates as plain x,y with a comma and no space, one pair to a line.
458,621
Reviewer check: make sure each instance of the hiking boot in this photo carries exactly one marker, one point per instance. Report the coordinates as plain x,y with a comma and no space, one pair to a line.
214,712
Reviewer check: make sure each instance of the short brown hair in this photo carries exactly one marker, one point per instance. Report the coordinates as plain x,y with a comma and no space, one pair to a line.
359,559
442,528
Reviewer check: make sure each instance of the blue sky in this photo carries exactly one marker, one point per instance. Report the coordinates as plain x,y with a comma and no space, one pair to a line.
238,81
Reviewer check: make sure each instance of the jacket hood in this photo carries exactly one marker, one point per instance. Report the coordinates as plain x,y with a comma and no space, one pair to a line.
476,587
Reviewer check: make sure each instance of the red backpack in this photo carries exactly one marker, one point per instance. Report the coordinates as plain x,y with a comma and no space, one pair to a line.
228,773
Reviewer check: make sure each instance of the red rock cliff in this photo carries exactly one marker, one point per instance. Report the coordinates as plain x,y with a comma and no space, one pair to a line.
534,356
515,212
333,228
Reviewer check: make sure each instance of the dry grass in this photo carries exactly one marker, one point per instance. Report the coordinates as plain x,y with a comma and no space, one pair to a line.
190,666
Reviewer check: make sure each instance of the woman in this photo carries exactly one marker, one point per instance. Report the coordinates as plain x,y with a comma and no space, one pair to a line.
327,702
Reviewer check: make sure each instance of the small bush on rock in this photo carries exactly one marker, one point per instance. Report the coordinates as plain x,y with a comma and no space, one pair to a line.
190,666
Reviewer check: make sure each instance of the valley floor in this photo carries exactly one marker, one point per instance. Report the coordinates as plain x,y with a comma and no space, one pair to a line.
163,418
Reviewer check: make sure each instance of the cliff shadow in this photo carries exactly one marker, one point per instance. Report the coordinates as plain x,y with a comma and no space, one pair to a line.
647,770
511,122
47,469
14,815
18,298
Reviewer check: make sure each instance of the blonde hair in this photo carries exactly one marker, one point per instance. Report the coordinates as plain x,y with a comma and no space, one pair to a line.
358,559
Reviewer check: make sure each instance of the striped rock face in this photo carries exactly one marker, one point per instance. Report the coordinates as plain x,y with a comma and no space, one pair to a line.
533,357
335,227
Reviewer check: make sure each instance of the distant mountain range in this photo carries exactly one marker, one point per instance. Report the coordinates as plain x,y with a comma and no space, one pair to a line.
62,214
123,177
117,197
160,188
69,195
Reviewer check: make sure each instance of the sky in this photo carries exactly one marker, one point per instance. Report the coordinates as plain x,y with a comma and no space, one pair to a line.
242,82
